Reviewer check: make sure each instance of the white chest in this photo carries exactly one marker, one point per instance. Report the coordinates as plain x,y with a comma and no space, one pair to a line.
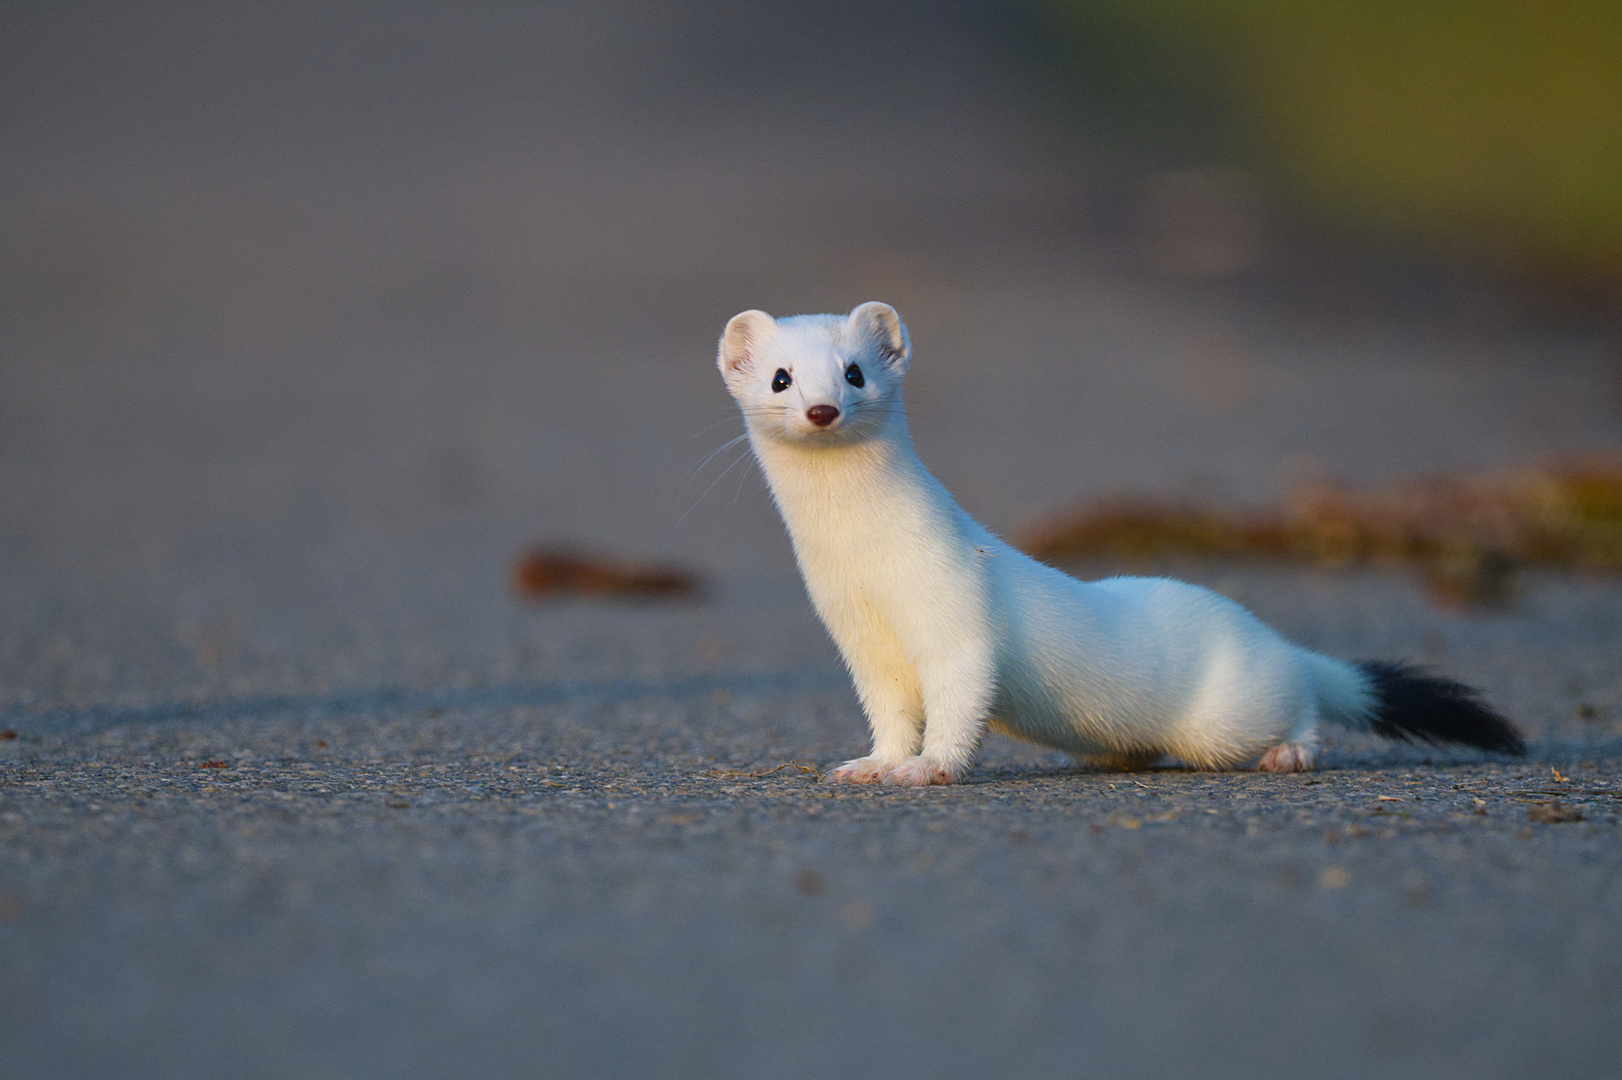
875,536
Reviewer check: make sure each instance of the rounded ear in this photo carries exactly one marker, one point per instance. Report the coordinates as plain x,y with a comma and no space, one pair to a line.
744,333
880,323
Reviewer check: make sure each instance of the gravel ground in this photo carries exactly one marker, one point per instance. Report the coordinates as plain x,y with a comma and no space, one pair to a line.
298,788
643,877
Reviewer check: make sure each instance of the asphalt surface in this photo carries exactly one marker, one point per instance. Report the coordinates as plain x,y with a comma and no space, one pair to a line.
310,324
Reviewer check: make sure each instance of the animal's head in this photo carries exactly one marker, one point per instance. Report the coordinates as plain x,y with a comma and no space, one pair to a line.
816,378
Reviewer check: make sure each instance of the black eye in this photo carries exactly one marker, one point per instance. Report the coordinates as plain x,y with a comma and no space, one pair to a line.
853,375
780,381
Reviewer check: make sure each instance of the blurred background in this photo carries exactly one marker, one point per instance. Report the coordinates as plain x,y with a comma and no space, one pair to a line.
313,316
1484,132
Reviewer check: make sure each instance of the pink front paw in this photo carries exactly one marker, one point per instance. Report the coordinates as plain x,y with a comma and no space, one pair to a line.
920,772
863,770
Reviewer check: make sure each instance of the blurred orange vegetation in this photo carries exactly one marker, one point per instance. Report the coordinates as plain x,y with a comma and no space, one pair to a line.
1465,534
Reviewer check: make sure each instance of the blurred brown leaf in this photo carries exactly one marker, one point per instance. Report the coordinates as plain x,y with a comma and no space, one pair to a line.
546,572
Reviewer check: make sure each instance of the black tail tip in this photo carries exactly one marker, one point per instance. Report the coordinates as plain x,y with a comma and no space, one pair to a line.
1411,703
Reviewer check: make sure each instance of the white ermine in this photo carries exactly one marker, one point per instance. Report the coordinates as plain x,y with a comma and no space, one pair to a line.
946,629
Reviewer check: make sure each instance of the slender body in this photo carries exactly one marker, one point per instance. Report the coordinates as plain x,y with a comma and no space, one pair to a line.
946,629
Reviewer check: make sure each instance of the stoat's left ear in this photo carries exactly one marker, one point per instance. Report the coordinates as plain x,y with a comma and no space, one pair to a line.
884,327
745,333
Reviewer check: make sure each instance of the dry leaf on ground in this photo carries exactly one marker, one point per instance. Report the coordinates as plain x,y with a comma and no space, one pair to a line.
1465,534
546,572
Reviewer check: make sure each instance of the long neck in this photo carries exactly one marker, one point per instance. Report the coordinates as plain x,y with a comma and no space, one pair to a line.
817,488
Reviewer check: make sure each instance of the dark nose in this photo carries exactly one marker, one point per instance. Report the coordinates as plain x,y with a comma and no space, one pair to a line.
822,415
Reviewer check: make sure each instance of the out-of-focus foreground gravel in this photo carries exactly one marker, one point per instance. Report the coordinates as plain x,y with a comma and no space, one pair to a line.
311,322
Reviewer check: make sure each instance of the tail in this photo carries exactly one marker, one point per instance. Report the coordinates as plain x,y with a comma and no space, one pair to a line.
1411,704
1404,702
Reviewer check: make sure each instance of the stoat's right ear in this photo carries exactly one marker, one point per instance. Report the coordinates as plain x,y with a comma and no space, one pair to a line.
743,337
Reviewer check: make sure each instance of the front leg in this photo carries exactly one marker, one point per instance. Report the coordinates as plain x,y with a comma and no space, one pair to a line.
959,683
887,685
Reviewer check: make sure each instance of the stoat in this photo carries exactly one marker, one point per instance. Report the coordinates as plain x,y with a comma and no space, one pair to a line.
946,629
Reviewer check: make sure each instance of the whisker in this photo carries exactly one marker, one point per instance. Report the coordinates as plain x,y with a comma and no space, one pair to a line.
731,415
748,453
738,491
692,473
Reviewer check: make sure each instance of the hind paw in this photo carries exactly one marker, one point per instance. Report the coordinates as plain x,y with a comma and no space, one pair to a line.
1286,757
